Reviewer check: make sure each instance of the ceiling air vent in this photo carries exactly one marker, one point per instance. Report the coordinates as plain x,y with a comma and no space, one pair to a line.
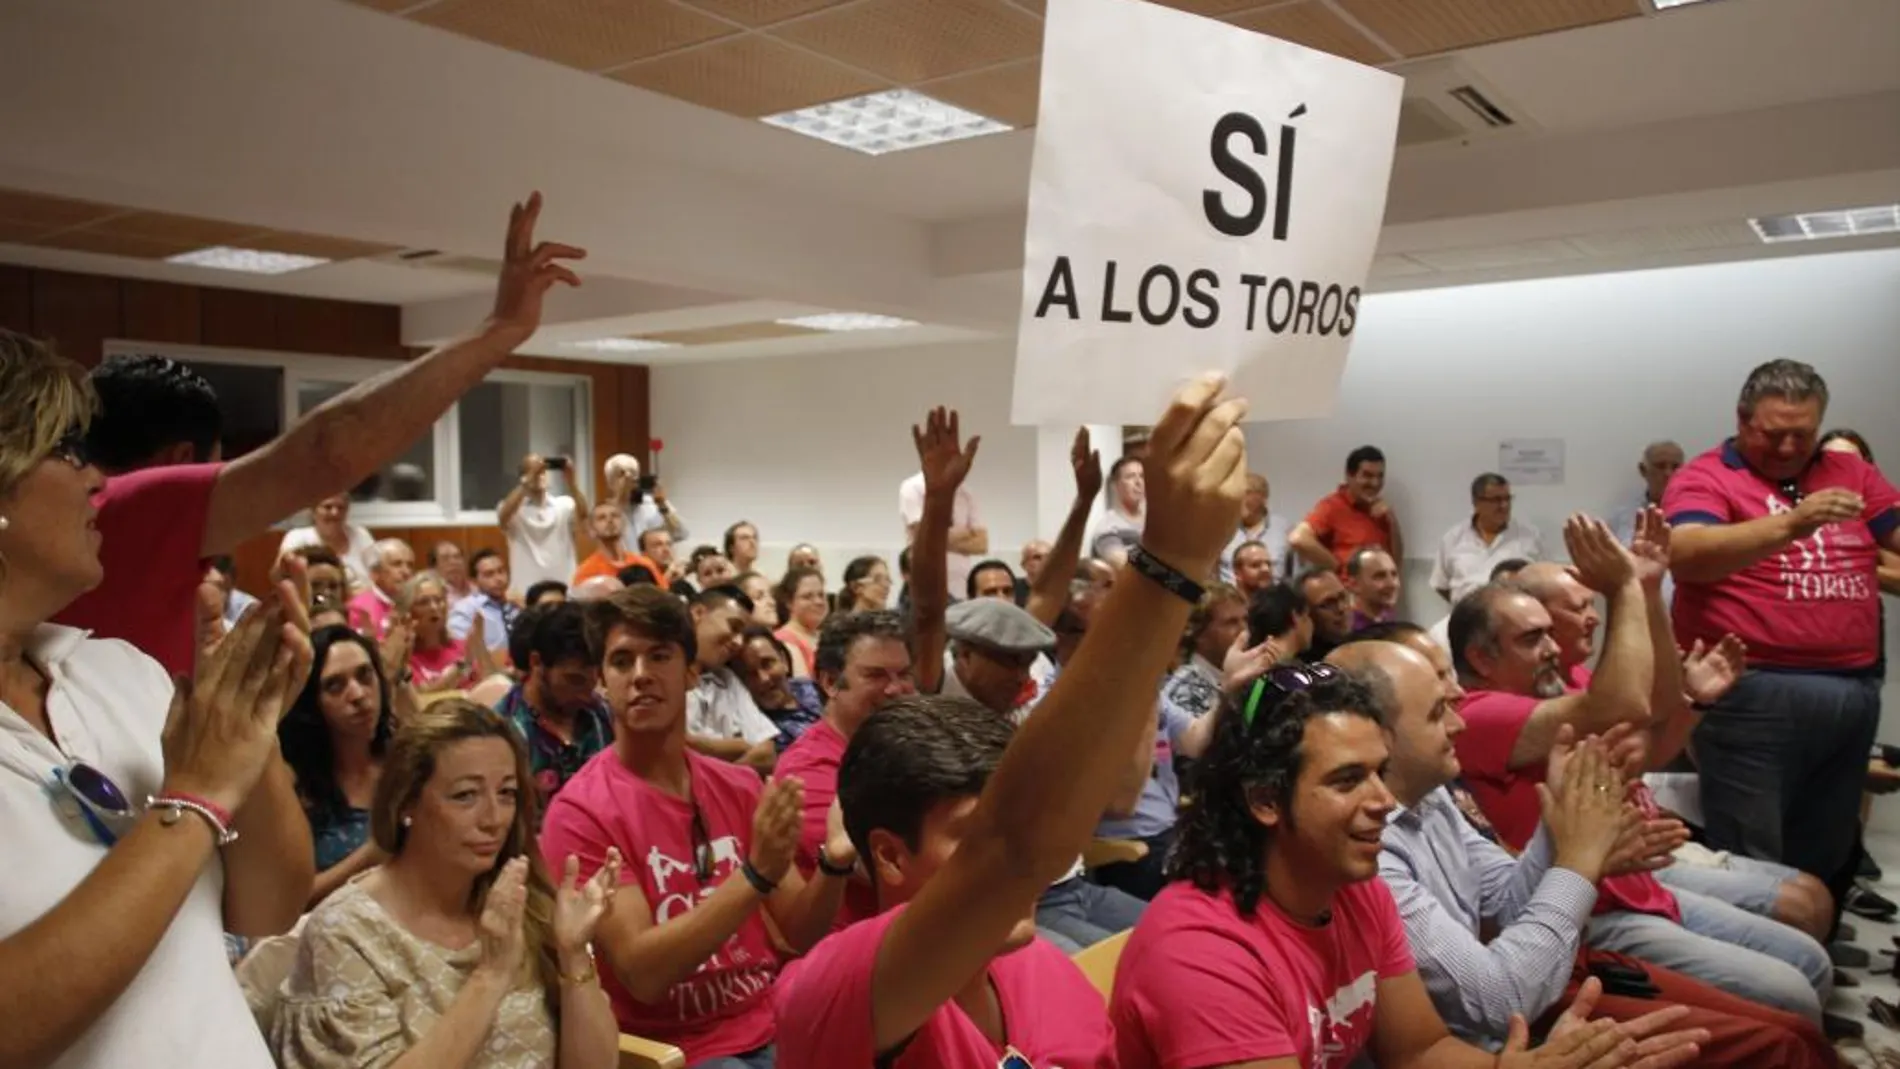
442,261
1446,102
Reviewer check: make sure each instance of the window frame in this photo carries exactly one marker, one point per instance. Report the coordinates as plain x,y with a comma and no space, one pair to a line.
444,508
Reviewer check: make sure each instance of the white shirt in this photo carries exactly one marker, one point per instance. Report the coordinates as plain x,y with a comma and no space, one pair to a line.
721,708
107,703
355,559
910,506
1115,532
541,542
1272,534
1464,562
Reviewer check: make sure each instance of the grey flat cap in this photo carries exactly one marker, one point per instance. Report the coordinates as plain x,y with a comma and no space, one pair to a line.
999,625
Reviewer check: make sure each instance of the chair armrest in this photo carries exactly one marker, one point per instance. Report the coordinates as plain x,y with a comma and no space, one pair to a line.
1101,852
637,1053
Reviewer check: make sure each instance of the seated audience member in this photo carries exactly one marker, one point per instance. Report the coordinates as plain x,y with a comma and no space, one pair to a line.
864,662
804,555
764,602
597,588
438,660
1215,625
545,592
641,575
644,502
713,569
231,601
1421,642
1661,460
1372,577
741,545
1470,551
686,955
950,975
329,583
330,528
490,602
541,527
607,525
1330,606
1450,882
721,719
335,738
969,539
447,560
866,586
656,545
111,913
1278,614
1260,528
391,564
685,584
991,579
1519,700
1252,565
764,665
1440,632
1354,515
555,707
1119,529
801,596
458,952
1276,946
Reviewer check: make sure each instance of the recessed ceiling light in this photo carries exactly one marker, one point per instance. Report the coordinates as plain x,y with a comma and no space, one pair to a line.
840,321
619,345
887,121
1814,226
253,261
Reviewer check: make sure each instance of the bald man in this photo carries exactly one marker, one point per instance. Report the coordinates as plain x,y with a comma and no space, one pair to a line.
391,562
1660,462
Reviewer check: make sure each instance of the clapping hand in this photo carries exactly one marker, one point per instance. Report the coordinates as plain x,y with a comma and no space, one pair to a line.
580,906
528,271
1708,673
1584,812
504,943
1575,1042
1650,548
839,850
1648,843
1243,663
944,456
221,731
1598,560
776,824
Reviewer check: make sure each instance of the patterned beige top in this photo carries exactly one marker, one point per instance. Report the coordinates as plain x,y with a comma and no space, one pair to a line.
364,991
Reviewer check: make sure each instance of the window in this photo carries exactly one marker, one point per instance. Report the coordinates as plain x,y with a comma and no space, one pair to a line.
454,474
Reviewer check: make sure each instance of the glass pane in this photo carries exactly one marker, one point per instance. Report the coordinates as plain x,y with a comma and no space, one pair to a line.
251,400
410,478
504,421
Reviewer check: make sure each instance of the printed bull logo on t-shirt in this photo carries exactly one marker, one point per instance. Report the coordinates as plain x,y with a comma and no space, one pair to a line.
1815,568
1341,1026
733,974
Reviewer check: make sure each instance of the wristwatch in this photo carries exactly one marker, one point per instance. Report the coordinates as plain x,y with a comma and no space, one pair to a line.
832,868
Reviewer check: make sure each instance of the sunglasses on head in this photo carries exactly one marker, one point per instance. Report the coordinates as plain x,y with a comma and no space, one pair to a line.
1284,680
103,805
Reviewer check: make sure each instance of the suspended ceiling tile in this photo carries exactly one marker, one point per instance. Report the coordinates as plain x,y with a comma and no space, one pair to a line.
391,6
761,12
115,244
1007,94
174,229
588,34
916,40
730,332
51,213
1313,24
1396,266
1657,241
315,245
1491,257
749,76
1422,27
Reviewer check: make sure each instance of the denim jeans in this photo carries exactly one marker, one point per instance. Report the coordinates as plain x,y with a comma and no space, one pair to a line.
1740,881
1756,958
1076,914
759,1059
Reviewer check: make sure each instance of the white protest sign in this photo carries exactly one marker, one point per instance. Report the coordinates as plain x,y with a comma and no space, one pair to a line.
1203,197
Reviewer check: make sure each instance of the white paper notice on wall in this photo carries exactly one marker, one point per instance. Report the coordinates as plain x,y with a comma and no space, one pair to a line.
1203,198
1532,461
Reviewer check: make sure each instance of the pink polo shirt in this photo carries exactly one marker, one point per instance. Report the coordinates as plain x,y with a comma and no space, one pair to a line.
369,612
814,758
1052,1014
725,1006
1815,604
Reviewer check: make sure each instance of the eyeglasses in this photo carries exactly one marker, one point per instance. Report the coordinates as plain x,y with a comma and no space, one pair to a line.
1286,679
101,802
702,848
71,448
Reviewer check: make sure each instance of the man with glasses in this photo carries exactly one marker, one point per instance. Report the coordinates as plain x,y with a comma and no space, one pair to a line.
1469,551
1777,541
1330,605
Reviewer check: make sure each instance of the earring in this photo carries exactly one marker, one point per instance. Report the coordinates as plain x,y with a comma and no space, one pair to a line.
406,821
4,522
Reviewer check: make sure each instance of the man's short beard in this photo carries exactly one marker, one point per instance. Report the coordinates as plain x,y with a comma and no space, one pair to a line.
1547,684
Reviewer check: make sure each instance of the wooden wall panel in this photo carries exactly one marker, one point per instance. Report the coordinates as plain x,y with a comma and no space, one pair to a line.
161,312
239,319
16,299
79,312
309,325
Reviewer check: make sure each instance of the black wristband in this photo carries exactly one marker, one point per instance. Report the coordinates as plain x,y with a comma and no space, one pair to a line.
757,879
1164,574
826,866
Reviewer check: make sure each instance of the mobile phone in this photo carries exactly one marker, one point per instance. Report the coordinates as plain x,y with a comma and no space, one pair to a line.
557,463
648,482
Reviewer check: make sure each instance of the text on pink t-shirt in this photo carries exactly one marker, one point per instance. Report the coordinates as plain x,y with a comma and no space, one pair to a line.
724,1008
1201,985
151,532
1053,1014
814,758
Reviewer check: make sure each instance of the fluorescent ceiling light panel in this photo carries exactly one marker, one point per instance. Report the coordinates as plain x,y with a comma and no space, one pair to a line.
841,321
619,345
251,261
1813,226
887,121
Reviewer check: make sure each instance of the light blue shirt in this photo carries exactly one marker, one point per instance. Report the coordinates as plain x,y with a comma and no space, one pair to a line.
1273,535
1160,801
497,617
646,516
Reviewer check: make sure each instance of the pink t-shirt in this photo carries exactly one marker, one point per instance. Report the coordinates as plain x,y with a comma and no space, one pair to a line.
152,528
814,758
369,612
433,664
1052,1013
1493,720
1201,985
725,1007
1813,605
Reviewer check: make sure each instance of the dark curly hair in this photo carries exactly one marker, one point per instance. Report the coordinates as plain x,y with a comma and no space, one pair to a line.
1220,844
305,737
147,403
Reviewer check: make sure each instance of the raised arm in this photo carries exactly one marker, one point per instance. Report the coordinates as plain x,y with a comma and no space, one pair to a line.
1055,780
946,460
582,513
1671,715
1051,590
356,433
532,467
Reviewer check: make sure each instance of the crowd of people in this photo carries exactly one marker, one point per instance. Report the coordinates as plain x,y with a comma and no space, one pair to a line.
500,809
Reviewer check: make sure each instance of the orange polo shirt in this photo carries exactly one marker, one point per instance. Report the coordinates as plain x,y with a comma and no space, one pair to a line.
597,564
1343,525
